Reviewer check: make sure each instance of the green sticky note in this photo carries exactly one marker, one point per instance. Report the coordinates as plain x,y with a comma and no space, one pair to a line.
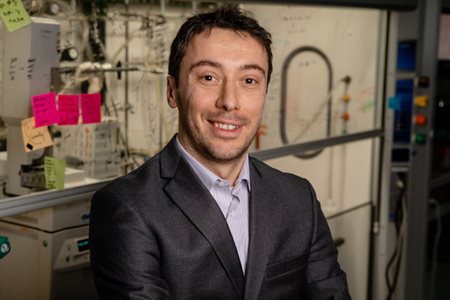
54,169
14,14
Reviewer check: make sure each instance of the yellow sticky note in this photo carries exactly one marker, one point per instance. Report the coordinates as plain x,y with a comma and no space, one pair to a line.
14,14
54,170
35,138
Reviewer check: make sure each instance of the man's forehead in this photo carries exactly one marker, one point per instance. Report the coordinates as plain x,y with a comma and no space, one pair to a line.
203,41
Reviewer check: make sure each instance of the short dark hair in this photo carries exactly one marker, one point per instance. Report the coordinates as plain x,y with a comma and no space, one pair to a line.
229,16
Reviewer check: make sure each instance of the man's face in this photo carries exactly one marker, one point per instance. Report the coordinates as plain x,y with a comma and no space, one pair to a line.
220,94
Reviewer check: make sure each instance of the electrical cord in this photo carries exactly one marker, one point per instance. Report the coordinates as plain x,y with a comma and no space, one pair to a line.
435,248
400,226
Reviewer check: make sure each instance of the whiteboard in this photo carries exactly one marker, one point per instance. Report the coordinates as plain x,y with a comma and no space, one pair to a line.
349,39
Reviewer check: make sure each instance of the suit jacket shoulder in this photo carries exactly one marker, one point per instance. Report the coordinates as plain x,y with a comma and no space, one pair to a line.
271,174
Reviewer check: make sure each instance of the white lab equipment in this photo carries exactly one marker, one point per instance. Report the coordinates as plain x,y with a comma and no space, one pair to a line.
49,256
29,53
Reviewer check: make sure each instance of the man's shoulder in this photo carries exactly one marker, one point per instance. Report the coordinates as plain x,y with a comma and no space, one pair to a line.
277,176
284,189
138,178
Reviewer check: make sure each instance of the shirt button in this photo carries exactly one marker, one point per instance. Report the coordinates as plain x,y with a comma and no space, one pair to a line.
222,183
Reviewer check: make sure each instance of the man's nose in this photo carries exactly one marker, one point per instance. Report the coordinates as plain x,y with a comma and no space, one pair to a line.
229,97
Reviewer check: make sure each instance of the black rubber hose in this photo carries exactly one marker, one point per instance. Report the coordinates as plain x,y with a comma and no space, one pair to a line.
283,106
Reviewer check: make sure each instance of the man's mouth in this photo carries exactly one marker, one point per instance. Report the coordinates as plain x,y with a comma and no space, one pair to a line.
224,126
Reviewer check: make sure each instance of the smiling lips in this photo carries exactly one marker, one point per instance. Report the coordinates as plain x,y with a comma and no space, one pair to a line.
227,127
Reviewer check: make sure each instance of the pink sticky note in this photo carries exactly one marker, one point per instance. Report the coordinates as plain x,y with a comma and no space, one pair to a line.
90,108
44,109
68,109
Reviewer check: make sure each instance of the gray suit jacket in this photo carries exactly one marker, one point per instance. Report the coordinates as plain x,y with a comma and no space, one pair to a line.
157,233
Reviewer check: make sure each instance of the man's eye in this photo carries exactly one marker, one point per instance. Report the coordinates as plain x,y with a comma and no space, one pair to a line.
208,77
249,81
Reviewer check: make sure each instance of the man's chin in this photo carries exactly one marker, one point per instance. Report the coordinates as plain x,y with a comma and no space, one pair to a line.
228,154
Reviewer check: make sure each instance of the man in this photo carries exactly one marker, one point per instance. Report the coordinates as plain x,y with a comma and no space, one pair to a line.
201,220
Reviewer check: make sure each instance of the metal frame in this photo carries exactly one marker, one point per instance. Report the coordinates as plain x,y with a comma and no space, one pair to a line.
380,4
419,179
36,201
380,231
315,145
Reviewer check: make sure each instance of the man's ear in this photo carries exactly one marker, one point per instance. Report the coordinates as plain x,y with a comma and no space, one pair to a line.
171,92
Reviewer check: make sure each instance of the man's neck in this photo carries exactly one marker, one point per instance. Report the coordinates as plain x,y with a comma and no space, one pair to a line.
228,170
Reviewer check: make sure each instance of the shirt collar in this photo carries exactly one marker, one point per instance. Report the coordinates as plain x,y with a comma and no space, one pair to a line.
207,177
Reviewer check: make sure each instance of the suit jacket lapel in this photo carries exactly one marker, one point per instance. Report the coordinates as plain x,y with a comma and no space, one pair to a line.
260,234
198,205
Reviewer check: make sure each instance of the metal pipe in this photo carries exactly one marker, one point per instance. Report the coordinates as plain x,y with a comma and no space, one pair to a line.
127,36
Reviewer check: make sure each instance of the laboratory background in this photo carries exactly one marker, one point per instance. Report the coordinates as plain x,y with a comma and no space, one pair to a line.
359,103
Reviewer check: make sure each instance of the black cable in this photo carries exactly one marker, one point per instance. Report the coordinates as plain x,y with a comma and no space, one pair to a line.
283,105
397,254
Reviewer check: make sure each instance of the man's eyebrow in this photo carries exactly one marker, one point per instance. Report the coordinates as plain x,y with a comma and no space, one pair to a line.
219,66
254,66
205,63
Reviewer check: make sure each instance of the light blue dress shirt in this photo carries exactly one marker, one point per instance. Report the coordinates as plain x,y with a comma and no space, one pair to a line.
232,201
